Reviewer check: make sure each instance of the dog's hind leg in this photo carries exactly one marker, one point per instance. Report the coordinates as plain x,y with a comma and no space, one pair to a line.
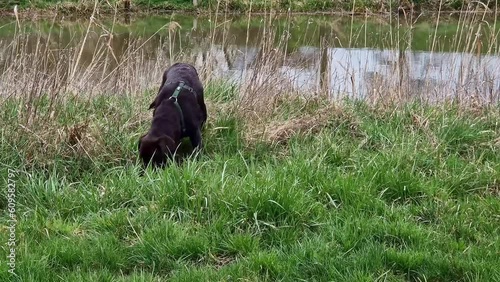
205,115
196,140
203,107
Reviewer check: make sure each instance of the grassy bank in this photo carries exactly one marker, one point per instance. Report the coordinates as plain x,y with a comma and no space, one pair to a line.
86,6
291,186
286,189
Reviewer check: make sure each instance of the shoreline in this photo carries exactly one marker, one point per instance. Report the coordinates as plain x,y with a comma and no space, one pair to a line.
79,11
42,14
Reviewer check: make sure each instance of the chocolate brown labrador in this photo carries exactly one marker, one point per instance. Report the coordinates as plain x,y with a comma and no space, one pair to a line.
179,111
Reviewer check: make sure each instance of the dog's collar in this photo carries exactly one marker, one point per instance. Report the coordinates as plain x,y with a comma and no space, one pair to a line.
182,85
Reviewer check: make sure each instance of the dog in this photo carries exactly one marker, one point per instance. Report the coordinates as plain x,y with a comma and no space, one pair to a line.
179,111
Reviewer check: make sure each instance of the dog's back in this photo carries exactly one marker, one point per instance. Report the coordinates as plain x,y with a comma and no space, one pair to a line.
171,78
185,72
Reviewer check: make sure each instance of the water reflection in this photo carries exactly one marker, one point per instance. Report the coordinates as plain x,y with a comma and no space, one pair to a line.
362,72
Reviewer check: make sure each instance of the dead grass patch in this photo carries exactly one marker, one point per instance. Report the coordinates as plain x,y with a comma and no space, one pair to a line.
280,131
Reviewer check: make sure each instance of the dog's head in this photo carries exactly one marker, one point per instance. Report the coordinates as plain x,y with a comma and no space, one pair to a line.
156,150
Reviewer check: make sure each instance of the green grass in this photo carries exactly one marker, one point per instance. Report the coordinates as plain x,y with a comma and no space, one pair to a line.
401,194
245,5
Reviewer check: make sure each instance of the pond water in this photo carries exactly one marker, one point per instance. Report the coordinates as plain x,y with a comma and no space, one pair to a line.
341,56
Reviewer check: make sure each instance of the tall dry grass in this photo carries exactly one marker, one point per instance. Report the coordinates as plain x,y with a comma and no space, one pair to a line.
276,94
36,66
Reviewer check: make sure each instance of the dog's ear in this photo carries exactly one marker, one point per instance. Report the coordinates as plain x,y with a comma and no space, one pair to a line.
140,142
163,143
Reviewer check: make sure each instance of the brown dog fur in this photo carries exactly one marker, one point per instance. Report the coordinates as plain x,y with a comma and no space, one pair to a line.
165,134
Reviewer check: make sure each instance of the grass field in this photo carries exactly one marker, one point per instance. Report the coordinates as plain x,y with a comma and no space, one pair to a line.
289,187
307,191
